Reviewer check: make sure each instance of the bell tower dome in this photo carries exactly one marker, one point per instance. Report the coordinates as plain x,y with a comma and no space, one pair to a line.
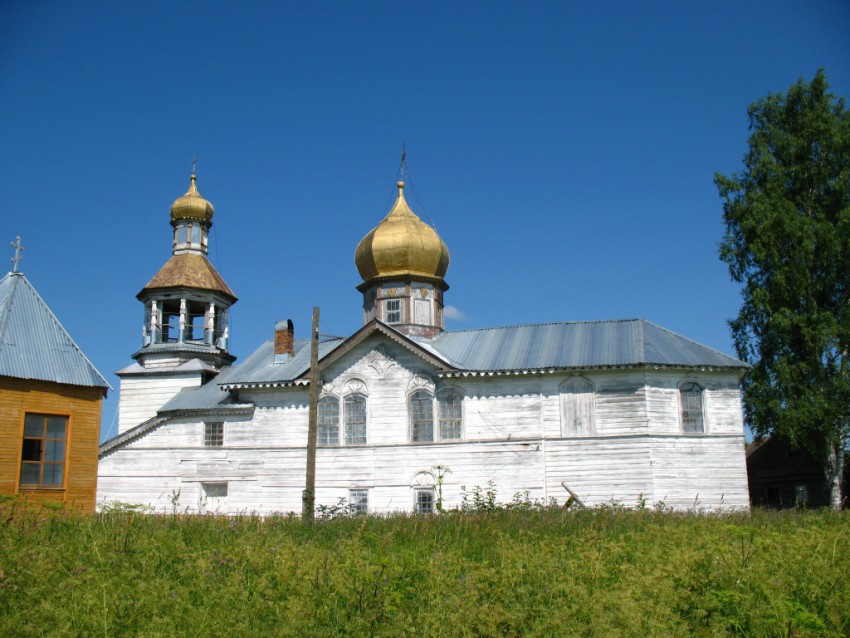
403,263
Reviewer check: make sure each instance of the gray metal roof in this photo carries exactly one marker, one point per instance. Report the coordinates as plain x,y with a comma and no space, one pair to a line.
33,344
593,344
260,367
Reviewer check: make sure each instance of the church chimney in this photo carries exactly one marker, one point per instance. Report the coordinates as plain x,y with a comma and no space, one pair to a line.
284,341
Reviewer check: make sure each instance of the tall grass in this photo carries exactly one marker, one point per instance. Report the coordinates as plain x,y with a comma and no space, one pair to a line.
521,572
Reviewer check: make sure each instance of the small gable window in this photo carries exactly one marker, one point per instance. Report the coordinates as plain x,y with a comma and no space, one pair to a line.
577,407
328,433
691,403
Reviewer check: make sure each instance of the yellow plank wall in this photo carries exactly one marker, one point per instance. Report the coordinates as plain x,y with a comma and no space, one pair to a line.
82,406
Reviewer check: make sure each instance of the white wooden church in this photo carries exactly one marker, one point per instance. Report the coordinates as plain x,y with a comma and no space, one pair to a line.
612,410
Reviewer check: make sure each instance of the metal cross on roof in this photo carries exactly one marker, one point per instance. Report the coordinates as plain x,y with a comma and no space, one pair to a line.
19,248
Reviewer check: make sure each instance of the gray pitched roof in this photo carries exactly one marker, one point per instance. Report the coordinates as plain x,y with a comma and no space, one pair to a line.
33,344
593,344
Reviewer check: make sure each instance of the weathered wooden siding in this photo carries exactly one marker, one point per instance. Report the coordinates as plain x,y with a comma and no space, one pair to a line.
142,396
82,405
512,436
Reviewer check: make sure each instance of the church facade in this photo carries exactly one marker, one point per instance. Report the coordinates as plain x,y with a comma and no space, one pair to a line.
411,416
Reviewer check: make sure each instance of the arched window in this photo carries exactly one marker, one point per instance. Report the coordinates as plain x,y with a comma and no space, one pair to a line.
691,404
450,410
421,416
577,411
354,412
328,420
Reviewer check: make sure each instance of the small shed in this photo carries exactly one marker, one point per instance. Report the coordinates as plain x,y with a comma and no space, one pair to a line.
50,403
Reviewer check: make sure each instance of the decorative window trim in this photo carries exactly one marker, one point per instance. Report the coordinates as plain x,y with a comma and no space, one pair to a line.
567,389
394,310
687,423
39,452
213,434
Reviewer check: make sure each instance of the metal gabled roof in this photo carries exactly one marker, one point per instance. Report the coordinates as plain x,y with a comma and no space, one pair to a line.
595,344
34,345
260,368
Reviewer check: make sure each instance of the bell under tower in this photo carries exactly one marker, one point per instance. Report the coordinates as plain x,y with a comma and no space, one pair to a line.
403,263
185,332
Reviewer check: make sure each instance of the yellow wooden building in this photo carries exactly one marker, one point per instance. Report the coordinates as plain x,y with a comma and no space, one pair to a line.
50,403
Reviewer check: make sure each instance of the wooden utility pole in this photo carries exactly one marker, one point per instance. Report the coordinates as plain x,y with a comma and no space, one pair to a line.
309,499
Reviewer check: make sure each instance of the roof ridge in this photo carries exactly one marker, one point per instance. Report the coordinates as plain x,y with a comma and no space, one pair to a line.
544,323
7,303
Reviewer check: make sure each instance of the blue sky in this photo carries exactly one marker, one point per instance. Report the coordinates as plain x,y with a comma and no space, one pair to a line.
564,151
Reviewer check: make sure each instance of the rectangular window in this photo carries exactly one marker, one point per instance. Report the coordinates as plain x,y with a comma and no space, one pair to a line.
691,398
43,450
423,500
355,419
393,311
451,417
214,434
328,433
421,417
214,498
358,501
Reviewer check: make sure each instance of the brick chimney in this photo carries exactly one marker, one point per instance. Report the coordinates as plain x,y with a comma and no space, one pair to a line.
284,341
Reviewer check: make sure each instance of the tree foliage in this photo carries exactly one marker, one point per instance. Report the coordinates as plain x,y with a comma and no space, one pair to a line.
787,240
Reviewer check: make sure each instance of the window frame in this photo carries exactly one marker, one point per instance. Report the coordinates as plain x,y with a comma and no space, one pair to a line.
325,441
213,438
358,506
684,420
348,435
441,398
399,310
41,463
414,423
424,506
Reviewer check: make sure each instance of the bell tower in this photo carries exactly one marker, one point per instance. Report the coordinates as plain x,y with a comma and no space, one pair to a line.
185,332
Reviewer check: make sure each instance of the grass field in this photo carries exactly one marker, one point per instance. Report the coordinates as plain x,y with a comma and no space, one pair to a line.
508,571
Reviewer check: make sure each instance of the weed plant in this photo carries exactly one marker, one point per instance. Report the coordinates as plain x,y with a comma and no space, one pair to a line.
522,569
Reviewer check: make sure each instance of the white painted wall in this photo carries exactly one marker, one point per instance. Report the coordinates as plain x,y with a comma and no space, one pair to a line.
512,436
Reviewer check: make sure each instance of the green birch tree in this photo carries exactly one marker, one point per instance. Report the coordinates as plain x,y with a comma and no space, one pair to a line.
787,240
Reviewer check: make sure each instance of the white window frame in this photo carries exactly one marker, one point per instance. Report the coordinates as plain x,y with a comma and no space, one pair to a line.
326,441
347,434
413,422
442,397
212,438
219,493
399,310
423,504
683,423
358,501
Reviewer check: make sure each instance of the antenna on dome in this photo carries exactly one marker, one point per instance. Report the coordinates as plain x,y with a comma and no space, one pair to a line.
19,248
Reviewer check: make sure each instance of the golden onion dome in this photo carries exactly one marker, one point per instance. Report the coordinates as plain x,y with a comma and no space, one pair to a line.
402,244
192,206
